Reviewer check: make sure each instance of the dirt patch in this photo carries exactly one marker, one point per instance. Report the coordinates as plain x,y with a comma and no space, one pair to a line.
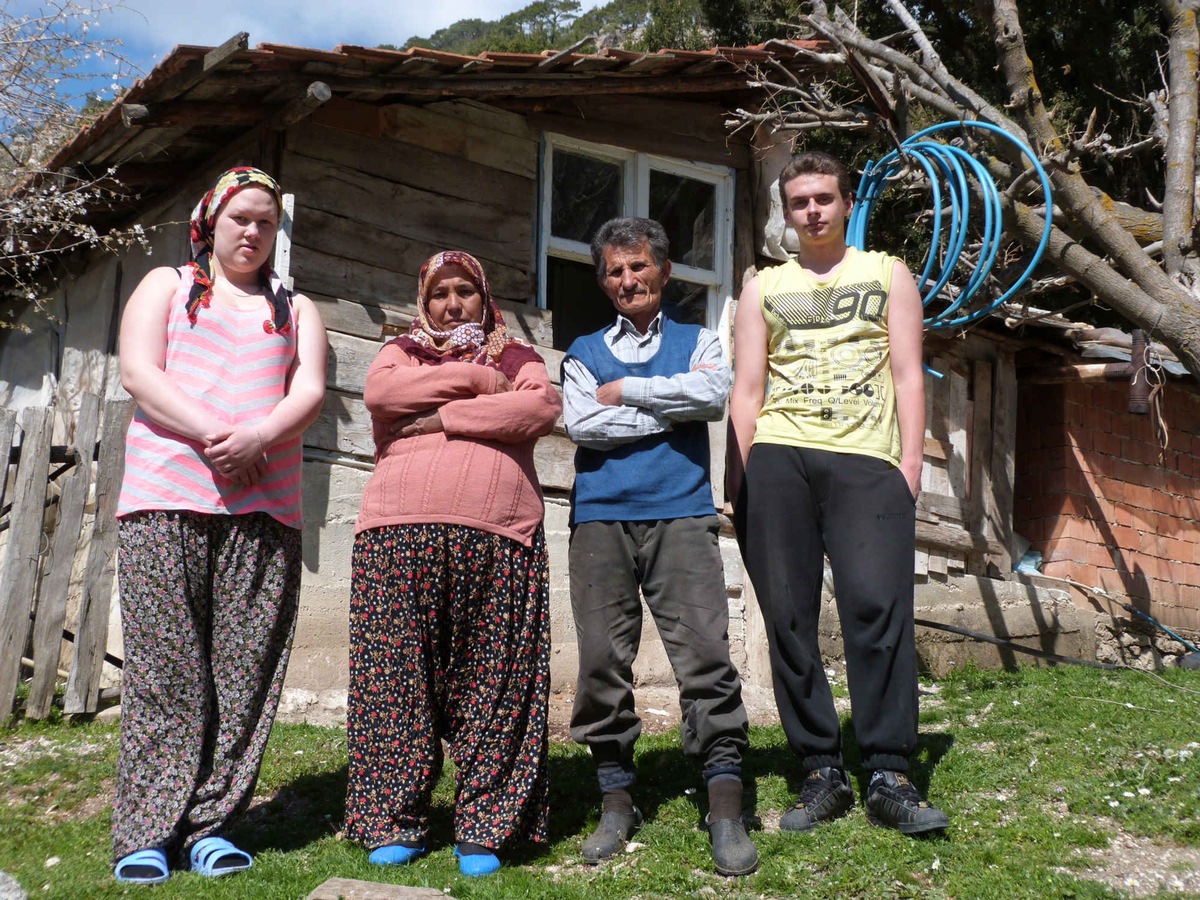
92,806
658,707
1141,866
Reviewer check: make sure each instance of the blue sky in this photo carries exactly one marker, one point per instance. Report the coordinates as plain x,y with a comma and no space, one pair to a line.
150,28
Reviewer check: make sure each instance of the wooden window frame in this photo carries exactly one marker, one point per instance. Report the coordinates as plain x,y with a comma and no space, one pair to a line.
636,169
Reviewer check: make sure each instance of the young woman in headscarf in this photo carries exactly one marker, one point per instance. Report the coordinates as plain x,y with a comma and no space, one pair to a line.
227,368
449,607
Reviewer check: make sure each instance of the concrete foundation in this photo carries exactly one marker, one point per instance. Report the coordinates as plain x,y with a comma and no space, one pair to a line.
1037,615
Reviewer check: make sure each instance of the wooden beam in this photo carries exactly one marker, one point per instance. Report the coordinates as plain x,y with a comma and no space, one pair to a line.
538,86
935,449
950,537
213,61
183,112
315,95
217,57
940,506
1080,373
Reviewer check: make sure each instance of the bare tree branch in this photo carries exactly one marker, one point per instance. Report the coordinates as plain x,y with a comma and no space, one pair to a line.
43,215
1142,263
1179,195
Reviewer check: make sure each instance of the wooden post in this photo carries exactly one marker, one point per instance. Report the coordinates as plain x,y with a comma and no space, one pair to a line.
998,452
283,241
981,461
52,602
83,685
23,559
8,424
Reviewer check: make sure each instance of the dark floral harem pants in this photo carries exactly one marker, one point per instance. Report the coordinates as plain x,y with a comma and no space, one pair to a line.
449,639
208,606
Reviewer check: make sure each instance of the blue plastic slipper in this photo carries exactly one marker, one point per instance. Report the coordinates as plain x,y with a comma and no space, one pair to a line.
394,855
153,859
476,864
213,856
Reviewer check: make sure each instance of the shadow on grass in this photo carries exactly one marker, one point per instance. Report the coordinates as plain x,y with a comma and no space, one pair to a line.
574,794
664,774
302,812
778,759
312,807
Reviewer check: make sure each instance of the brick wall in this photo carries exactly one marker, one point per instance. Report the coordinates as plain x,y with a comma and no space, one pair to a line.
1093,496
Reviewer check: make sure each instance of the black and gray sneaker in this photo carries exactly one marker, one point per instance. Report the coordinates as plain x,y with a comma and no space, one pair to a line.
826,794
893,802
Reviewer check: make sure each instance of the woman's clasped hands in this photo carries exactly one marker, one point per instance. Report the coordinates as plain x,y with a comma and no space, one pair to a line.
237,453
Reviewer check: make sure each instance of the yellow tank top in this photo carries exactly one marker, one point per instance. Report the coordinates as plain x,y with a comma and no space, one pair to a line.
829,378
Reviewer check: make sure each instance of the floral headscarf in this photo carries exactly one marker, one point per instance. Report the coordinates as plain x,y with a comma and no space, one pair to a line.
486,343
204,218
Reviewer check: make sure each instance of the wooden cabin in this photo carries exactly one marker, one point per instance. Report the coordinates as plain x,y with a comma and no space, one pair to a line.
516,158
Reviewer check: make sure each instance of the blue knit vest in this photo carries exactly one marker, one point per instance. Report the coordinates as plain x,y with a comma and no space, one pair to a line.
662,476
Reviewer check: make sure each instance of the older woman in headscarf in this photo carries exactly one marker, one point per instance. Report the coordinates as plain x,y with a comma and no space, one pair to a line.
227,368
449,608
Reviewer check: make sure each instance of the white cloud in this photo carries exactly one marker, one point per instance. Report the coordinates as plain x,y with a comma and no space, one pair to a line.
150,28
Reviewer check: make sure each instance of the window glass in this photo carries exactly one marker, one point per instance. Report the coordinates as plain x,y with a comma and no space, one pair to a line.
685,206
578,304
586,194
685,302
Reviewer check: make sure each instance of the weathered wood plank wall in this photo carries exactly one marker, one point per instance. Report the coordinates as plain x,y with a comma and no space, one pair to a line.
53,596
377,195
22,561
969,431
91,636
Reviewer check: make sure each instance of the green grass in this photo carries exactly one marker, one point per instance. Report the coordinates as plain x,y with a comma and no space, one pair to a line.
1037,768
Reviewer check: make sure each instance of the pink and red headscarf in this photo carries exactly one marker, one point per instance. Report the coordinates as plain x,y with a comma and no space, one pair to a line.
486,343
203,223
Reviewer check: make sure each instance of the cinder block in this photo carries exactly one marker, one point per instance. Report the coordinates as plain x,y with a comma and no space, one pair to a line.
731,559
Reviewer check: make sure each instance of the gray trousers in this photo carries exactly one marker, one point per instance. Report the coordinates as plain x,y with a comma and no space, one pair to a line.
676,563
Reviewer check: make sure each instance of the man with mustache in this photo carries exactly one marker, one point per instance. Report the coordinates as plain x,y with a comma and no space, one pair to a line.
827,436
637,396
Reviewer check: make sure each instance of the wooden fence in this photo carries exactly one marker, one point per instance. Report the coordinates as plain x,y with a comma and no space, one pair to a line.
43,514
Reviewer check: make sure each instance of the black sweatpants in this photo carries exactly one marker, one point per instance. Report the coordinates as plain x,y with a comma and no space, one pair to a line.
798,505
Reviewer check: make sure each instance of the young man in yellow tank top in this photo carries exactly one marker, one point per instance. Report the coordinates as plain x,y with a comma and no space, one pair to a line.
827,431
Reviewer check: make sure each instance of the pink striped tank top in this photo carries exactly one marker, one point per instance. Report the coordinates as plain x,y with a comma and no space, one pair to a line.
228,363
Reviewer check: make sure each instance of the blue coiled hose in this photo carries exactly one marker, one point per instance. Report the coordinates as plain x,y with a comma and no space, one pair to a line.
948,169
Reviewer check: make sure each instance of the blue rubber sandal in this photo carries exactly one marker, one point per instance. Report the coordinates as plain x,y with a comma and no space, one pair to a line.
394,855
153,859
214,856
475,864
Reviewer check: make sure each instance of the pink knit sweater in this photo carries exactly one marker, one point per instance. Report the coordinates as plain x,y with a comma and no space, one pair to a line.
479,471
